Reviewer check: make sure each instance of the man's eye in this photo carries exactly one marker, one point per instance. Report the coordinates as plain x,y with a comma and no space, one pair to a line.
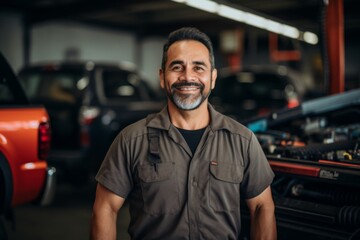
199,69
176,68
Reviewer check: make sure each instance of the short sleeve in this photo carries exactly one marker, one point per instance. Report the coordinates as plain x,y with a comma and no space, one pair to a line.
115,172
258,174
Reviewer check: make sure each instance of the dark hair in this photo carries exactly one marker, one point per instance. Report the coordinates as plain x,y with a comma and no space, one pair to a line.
188,33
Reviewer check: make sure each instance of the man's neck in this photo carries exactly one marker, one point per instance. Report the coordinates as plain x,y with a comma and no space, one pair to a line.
189,119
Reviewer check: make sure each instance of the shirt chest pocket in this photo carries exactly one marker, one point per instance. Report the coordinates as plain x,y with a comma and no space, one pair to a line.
159,188
225,179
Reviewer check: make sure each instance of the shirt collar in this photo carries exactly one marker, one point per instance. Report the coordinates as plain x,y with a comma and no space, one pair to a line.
161,120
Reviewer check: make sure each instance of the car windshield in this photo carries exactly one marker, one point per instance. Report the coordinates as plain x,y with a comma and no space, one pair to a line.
247,94
124,85
121,84
249,86
53,85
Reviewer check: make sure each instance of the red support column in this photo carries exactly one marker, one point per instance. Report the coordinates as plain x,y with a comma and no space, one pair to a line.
335,45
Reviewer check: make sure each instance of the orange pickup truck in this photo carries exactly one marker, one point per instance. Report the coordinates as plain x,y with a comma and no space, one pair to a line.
25,137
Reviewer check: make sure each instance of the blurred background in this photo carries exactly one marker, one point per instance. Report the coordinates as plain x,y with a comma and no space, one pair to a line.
134,31
269,54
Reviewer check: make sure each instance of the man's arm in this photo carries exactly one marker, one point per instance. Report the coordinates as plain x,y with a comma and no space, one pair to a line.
262,215
105,210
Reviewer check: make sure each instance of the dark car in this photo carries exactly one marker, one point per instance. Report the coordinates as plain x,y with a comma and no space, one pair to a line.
256,91
88,104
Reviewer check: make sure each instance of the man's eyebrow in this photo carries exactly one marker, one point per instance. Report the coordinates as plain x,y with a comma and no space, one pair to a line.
176,62
202,63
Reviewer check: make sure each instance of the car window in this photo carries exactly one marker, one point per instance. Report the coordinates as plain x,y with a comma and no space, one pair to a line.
53,86
10,89
121,85
6,94
250,86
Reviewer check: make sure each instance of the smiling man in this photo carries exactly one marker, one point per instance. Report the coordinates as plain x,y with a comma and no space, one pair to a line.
185,170
190,73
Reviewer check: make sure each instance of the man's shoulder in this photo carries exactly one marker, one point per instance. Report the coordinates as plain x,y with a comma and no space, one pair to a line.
135,129
140,128
235,127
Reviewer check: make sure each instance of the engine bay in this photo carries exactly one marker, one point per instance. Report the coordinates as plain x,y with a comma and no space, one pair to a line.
314,150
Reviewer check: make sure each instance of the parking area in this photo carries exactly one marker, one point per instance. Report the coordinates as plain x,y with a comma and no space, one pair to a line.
67,218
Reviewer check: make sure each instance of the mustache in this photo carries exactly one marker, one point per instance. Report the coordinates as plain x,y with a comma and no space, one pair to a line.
187,84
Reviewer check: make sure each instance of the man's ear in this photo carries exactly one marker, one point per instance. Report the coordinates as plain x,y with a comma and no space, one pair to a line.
214,77
161,78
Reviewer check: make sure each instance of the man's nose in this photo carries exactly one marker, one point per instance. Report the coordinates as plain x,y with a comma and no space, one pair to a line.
187,75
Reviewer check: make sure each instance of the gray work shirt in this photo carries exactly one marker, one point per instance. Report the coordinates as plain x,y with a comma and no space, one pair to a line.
187,196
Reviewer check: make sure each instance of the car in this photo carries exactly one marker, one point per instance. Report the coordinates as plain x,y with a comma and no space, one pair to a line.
25,137
88,103
256,90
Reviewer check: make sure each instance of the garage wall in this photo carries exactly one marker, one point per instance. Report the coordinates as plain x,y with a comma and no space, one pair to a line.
64,40
151,49
60,40
52,41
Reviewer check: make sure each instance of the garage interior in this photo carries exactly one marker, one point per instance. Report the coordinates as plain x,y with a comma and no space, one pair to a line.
324,51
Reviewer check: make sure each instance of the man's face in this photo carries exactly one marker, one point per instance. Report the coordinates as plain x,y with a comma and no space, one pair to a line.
188,77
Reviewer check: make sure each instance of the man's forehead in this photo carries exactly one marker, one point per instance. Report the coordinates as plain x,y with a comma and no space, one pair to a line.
184,48
188,42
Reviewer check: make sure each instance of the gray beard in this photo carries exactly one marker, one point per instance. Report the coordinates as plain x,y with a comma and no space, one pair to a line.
187,102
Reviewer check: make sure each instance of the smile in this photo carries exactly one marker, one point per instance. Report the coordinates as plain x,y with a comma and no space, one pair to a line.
188,88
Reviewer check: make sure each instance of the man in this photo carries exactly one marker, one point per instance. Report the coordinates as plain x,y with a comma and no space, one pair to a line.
184,170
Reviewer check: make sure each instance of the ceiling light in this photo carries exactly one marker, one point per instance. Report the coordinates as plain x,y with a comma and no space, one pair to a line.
255,20
231,13
310,38
290,32
205,5
251,19
273,26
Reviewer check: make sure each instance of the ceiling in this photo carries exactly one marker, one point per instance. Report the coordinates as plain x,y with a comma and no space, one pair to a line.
159,17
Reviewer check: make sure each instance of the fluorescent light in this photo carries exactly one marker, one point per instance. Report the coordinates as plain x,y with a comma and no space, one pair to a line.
311,38
231,13
290,32
205,5
273,26
251,19
255,20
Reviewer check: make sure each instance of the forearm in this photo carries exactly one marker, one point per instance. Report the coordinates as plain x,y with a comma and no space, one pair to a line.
263,224
103,226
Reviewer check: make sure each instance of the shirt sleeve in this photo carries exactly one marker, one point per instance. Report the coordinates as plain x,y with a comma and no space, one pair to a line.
258,174
115,172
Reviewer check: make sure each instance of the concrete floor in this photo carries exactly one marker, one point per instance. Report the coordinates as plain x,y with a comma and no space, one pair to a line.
67,218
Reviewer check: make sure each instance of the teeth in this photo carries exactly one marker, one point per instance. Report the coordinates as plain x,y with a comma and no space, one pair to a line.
188,88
